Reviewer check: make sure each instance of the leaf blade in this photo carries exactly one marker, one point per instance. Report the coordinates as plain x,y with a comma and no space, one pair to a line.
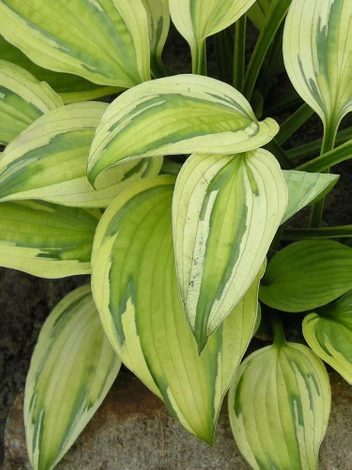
318,56
329,333
62,37
48,161
176,115
307,274
23,99
305,188
136,292
66,383
220,206
279,407
46,240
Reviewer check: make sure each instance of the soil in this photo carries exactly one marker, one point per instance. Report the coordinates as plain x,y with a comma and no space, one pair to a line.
26,301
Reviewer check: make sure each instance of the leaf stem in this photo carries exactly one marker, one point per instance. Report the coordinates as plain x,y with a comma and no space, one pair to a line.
277,12
343,231
239,52
327,160
328,145
294,122
275,148
199,58
278,330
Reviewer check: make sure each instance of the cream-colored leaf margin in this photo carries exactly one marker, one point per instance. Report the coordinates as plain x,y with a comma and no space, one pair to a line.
226,210
104,41
279,407
135,289
176,115
72,369
318,55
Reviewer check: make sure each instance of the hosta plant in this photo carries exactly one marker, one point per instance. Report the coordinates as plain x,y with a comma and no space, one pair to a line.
177,197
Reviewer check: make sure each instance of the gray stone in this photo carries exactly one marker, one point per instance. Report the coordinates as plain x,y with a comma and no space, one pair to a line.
133,431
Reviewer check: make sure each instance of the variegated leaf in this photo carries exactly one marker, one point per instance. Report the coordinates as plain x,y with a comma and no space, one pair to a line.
23,99
328,332
46,240
198,19
48,161
226,210
176,115
159,23
72,369
279,407
318,56
306,275
305,188
136,292
258,13
104,41
70,87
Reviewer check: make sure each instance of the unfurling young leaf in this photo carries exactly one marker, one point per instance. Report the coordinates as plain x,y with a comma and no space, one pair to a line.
305,188
104,41
48,161
23,99
328,332
226,210
46,240
176,115
136,292
71,371
318,56
279,407
307,274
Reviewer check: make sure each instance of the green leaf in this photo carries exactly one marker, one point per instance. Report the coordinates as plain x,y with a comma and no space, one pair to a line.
196,20
329,333
318,55
258,13
226,210
279,407
177,115
71,88
46,240
306,275
136,292
72,369
22,100
306,188
158,26
104,41
48,161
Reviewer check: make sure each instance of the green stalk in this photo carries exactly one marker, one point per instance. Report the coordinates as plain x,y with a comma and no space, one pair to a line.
170,168
199,58
285,103
343,231
278,330
277,12
294,122
328,145
223,42
329,159
239,52
308,150
275,244
275,148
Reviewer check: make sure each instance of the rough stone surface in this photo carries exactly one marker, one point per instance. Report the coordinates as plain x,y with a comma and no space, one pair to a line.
133,431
